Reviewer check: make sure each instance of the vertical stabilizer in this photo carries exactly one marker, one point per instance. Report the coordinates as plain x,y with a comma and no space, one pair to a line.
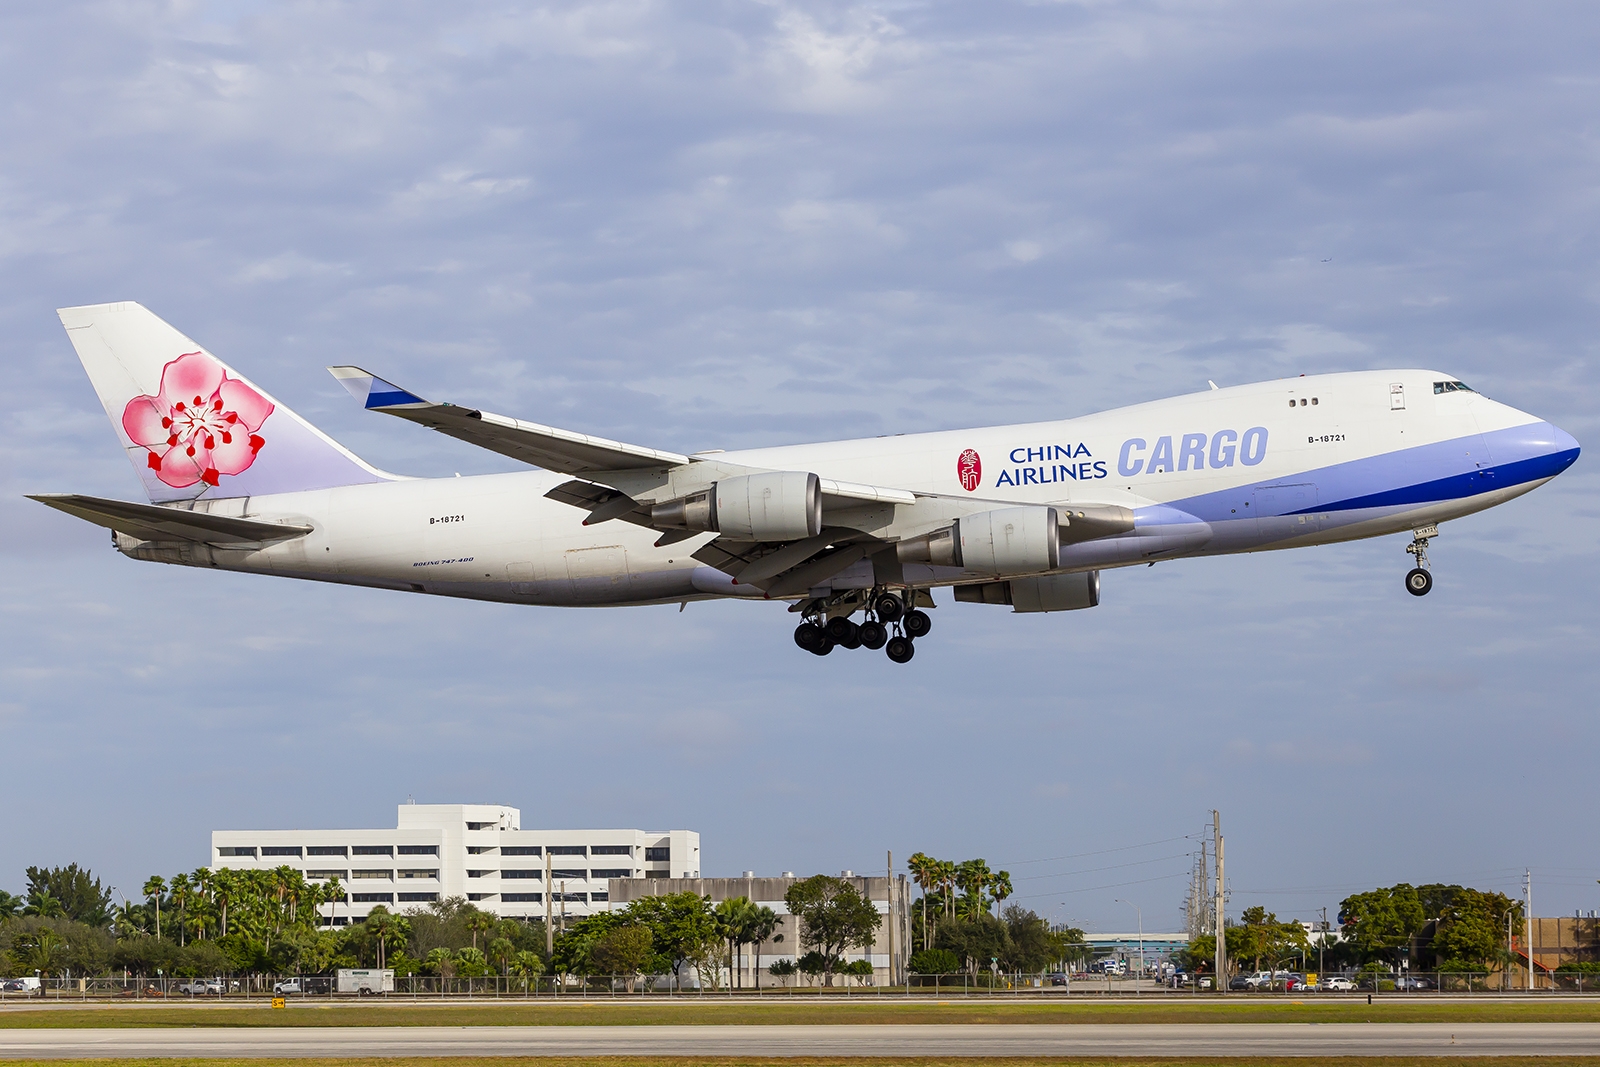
191,424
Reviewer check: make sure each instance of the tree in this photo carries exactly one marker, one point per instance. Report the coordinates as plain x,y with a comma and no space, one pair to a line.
479,922
734,917
154,886
500,951
128,919
925,872
1261,936
383,927
471,963
625,950
1471,932
44,904
1380,921
934,961
1033,946
10,904
82,898
39,951
1000,887
834,917
680,924
762,925
973,877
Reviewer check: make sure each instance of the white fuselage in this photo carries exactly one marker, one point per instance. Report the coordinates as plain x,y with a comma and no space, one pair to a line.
1230,470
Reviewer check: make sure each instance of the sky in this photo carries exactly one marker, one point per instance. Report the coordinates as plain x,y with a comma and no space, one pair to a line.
737,224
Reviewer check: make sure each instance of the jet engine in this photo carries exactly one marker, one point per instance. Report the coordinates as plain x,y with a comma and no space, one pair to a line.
772,506
1003,541
1044,592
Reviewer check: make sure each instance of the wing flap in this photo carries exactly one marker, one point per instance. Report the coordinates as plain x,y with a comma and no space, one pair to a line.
151,522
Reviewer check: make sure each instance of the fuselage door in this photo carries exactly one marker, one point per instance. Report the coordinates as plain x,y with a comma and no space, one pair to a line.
1285,511
598,575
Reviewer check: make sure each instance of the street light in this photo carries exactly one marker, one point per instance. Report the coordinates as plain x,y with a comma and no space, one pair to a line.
1136,908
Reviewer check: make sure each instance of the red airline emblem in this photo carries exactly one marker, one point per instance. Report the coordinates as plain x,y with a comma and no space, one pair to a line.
969,469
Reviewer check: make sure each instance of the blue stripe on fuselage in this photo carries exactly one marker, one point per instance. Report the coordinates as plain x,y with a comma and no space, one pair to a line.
1411,476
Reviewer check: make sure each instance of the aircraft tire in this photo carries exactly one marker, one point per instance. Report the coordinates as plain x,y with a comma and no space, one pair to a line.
842,630
874,635
888,607
901,649
824,648
1418,581
809,636
918,624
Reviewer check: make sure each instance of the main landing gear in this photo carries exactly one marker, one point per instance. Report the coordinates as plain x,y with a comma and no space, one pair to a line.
887,625
1419,579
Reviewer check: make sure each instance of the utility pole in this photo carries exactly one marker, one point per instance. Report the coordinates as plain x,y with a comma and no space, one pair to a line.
549,931
1221,931
893,960
1322,942
1527,922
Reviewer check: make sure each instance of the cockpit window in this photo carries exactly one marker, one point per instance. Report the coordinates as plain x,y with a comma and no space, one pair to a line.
1451,387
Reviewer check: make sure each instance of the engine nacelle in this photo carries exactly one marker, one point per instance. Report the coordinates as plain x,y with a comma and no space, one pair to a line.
772,506
1045,592
1009,541
1004,541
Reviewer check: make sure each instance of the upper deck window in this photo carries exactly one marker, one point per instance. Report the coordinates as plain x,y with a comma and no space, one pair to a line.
1452,387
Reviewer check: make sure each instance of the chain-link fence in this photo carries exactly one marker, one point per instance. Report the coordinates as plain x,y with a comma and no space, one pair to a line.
980,984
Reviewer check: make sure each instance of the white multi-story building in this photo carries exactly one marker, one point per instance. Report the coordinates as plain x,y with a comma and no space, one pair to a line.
477,851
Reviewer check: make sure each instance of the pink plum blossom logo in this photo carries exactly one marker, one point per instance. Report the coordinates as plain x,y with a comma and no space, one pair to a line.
201,426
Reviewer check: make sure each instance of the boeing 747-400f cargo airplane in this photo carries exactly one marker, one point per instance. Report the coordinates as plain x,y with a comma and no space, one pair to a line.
1024,515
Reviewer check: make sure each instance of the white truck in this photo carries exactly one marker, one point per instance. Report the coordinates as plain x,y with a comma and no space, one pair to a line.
366,983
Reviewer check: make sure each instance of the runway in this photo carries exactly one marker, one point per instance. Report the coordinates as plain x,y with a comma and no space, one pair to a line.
1044,1039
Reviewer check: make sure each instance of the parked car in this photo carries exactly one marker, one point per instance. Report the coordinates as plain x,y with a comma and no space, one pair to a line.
1335,983
202,987
1058,978
1410,983
287,988
1240,981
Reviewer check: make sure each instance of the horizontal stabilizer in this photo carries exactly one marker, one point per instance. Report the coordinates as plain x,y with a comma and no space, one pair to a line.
151,522
528,442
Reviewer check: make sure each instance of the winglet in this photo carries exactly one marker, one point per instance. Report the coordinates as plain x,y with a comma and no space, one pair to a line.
373,391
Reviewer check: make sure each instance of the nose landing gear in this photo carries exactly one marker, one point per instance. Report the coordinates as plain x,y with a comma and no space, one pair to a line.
1419,579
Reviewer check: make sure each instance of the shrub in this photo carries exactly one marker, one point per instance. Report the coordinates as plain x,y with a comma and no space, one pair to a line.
935,961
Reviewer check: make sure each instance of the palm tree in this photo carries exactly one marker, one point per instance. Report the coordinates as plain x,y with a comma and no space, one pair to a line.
1000,887
127,919
734,917
380,924
153,888
181,894
763,921
925,872
10,904
479,922
973,876
947,882
39,952
44,905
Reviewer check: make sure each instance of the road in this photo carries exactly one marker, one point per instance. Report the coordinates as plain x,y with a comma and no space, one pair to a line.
1171,1039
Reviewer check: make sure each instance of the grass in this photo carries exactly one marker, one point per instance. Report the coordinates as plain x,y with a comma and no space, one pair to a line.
897,1061
681,1012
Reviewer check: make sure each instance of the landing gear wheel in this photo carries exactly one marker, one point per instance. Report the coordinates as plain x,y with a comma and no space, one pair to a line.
888,607
873,635
900,649
918,624
842,631
824,648
809,636
1418,581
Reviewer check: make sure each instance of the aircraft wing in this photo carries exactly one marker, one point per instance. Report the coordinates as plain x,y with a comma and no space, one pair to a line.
529,442
151,522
